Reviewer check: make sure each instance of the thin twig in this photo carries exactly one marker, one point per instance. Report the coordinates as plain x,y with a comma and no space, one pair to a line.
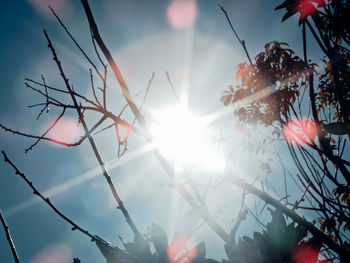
125,91
91,140
76,43
46,132
47,200
234,31
58,90
93,88
172,86
290,213
38,137
9,238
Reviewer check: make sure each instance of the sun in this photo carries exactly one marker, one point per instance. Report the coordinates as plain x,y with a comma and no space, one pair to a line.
186,140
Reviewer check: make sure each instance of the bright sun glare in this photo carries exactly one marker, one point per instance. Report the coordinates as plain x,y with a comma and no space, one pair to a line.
184,138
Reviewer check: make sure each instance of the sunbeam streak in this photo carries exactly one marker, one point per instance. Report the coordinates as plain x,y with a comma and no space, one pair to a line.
89,175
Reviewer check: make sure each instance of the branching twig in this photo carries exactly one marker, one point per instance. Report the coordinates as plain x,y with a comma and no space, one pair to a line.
125,91
50,128
39,137
76,43
290,213
91,140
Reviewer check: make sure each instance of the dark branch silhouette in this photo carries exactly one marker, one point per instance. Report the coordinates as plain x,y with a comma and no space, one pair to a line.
9,238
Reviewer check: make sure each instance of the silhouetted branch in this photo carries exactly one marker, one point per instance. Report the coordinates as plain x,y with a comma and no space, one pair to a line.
93,88
55,89
234,31
125,91
50,128
91,140
46,199
38,137
9,238
290,213
76,43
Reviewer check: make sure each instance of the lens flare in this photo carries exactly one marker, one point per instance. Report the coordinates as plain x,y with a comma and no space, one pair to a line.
182,13
184,139
300,132
181,250
66,130
306,254
57,253
41,6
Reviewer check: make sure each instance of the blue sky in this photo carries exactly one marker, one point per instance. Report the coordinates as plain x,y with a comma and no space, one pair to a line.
143,41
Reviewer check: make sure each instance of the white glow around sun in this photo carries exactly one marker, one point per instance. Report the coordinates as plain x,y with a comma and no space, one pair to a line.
184,138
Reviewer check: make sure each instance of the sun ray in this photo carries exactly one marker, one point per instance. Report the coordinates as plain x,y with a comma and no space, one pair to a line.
87,176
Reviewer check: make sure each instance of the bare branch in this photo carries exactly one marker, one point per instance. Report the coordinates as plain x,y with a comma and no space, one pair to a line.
91,140
93,88
50,128
170,172
9,238
234,31
290,213
47,200
55,89
76,43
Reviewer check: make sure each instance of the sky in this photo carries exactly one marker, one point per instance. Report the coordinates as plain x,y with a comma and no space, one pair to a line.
200,53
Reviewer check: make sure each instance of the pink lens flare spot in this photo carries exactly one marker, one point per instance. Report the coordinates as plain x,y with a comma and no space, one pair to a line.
300,132
58,253
182,13
41,6
306,254
181,250
66,130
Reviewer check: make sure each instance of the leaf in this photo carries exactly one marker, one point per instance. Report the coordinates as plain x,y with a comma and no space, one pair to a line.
200,253
114,254
139,248
283,5
276,226
287,15
159,240
337,128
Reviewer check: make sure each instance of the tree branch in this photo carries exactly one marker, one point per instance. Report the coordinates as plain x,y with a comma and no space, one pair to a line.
125,91
234,31
290,213
91,140
9,239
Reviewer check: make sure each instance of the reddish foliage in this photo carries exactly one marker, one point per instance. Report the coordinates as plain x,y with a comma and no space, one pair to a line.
308,7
